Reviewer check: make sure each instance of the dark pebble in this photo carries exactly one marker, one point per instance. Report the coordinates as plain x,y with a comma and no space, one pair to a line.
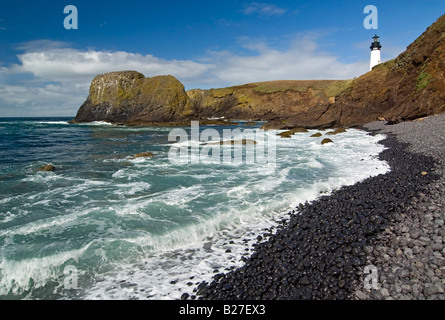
321,252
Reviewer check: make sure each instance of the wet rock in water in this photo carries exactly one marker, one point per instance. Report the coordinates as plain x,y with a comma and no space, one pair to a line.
326,141
336,131
143,155
286,134
316,135
231,142
237,142
48,168
290,133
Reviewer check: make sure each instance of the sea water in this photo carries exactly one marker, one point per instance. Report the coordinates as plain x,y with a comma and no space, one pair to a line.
107,226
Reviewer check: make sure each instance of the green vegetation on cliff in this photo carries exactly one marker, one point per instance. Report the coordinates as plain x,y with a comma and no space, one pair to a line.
330,88
423,81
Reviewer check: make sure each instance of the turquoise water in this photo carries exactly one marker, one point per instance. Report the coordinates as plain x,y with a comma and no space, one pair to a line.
107,226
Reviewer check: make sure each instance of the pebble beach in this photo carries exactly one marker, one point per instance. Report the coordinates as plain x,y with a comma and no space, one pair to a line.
380,239
410,253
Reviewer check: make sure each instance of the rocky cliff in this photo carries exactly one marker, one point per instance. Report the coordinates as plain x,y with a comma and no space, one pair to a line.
267,101
407,87
127,96
130,98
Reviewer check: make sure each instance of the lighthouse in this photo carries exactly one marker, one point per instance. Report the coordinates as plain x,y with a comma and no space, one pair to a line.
375,52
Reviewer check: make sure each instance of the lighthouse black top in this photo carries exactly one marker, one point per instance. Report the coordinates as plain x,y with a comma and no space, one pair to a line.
376,44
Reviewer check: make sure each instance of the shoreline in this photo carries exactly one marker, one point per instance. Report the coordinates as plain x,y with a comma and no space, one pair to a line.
391,223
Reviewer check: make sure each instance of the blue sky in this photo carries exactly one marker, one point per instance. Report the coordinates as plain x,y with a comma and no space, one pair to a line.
46,70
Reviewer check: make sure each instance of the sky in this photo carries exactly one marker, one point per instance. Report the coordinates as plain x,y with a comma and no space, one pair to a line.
46,69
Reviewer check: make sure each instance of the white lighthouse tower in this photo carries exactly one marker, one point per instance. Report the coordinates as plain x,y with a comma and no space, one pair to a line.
375,52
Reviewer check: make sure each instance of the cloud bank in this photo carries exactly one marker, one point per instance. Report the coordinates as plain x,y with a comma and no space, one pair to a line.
52,79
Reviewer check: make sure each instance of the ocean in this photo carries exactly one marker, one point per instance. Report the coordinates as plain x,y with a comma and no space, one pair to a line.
106,225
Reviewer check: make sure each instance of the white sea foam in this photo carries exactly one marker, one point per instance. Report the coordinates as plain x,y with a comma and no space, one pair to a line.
122,211
137,187
98,123
50,225
19,276
52,122
313,163
195,251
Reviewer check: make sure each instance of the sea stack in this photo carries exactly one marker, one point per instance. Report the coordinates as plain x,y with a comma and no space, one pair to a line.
375,52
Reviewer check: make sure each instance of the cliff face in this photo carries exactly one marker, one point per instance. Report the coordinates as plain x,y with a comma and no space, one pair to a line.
408,87
274,101
128,96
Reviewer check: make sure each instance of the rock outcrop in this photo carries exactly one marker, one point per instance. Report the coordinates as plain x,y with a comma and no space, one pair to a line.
48,168
272,101
290,133
408,87
143,155
326,141
127,96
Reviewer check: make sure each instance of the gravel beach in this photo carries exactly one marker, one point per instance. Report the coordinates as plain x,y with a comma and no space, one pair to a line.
410,254
382,238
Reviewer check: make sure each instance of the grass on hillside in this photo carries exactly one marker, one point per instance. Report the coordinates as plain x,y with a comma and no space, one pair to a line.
329,87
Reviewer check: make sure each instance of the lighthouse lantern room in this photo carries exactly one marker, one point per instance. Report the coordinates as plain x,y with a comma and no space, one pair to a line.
375,52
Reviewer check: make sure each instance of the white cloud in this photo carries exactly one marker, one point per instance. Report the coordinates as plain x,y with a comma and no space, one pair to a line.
47,100
263,9
68,65
301,61
56,78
